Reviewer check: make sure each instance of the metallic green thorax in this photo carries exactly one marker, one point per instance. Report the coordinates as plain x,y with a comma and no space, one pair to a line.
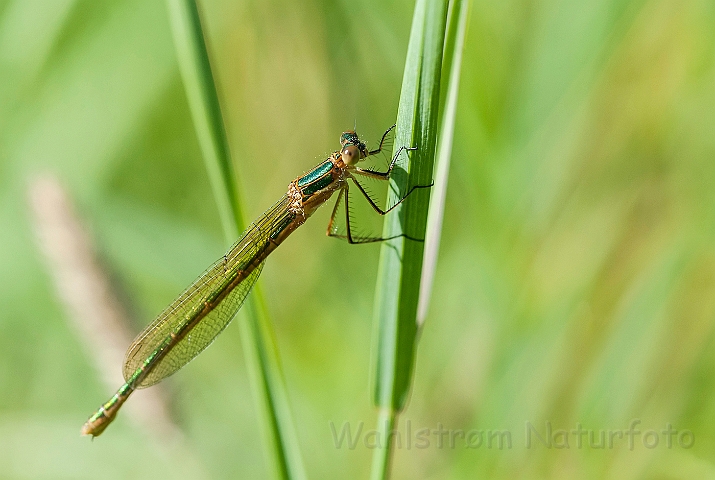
319,184
315,174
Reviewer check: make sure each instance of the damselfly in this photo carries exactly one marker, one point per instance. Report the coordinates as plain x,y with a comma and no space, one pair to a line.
202,311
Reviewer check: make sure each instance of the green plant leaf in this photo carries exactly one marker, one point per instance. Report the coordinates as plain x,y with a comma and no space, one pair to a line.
419,123
451,69
262,358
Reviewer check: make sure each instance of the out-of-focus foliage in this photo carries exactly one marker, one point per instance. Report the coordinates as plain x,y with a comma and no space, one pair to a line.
577,271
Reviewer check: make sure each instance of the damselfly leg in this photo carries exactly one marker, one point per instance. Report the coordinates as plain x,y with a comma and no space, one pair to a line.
349,235
344,195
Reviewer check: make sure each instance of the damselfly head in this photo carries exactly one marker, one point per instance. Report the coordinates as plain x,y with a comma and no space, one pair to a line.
353,150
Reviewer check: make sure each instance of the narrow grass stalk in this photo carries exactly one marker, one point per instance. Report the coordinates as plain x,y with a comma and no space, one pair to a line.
451,68
282,453
399,273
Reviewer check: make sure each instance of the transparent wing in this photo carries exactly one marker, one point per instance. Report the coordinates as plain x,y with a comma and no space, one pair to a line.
336,227
228,281
365,225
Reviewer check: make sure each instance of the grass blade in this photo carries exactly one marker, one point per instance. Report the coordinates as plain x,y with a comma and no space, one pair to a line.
203,101
399,273
451,68
260,349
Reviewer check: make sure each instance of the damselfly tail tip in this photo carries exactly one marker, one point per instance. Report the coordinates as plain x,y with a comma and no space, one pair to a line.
87,430
95,425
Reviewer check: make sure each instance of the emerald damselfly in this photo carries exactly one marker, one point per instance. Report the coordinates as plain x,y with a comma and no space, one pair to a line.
192,321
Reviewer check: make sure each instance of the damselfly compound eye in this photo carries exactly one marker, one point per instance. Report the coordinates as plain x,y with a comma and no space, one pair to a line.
350,155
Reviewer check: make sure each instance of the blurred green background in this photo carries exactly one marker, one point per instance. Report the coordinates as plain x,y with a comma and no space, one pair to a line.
576,277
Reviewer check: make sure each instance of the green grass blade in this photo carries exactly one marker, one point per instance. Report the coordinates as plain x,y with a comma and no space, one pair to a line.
262,359
399,273
451,68
203,101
